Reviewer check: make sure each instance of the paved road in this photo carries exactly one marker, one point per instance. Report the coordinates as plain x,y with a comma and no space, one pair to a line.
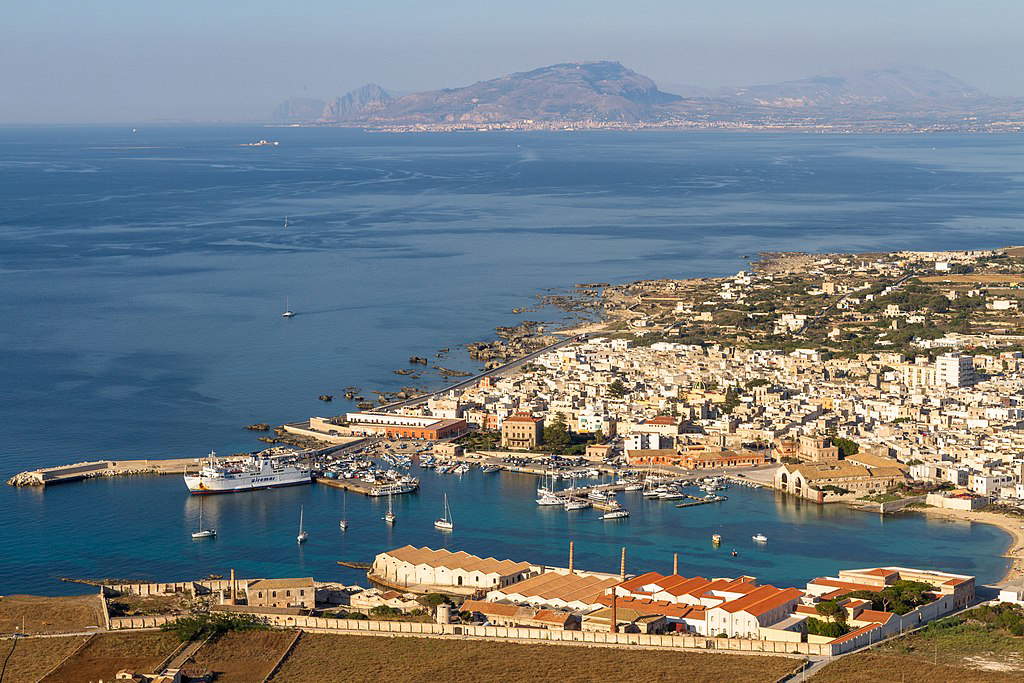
511,365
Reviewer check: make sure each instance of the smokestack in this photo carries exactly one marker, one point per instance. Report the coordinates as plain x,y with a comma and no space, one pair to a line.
570,556
675,564
622,564
615,612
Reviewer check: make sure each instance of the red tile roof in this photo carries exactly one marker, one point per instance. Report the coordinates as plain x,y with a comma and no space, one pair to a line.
853,634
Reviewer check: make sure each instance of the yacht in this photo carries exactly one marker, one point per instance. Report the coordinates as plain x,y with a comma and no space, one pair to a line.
597,495
303,534
390,516
635,486
550,499
288,312
576,504
343,522
201,532
445,523
760,538
616,514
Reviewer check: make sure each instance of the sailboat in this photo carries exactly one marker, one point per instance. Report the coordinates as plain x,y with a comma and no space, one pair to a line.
303,534
390,516
343,523
286,221
445,523
201,532
288,313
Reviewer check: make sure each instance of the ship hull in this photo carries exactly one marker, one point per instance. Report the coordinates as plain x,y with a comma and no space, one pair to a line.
207,487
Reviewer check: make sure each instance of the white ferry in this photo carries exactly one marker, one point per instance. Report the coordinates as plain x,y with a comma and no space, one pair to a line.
251,474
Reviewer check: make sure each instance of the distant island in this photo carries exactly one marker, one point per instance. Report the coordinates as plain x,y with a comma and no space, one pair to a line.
608,95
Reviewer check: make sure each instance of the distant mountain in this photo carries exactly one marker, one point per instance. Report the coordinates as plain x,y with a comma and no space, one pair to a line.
298,110
893,86
602,91
607,91
357,104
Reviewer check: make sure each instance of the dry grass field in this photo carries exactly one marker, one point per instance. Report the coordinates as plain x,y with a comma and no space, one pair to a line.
49,615
33,657
320,658
879,667
106,654
975,278
243,656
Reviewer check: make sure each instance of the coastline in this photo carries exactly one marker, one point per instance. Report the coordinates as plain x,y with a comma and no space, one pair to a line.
1014,552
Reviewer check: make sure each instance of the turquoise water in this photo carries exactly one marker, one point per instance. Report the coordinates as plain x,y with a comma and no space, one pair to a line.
143,276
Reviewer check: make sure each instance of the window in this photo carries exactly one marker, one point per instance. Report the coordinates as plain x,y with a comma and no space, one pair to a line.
460,580
288,593
273,594
302,591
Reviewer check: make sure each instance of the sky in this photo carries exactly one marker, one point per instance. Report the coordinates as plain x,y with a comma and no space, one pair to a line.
89,61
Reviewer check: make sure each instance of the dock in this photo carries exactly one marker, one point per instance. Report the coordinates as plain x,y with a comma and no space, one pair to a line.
61,474
701,501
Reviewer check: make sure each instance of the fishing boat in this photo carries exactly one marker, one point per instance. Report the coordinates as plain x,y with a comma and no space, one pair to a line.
288,312
303,534
760,538
445,523
621,513
390,516
343,522
201,532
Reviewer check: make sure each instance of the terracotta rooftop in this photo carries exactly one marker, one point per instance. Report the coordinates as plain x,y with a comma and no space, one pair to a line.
523,417
565,587
458,560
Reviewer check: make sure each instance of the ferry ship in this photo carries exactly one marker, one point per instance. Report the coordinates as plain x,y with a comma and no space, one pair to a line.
251,474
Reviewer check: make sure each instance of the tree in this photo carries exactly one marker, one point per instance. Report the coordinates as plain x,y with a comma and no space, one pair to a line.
831,610
195,626
846,446
556,433
617,389
829,629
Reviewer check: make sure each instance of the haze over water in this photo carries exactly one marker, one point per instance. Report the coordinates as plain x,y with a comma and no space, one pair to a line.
144,275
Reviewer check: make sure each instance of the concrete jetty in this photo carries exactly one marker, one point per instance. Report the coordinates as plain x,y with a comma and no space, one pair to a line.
61,474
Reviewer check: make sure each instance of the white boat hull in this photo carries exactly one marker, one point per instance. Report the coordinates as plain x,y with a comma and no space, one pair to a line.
198,485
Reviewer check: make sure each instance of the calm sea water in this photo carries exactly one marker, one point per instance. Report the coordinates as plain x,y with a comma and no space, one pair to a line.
142,278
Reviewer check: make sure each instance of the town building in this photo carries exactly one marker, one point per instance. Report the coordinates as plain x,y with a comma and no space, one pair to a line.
394,425
423,570
522,431
300,593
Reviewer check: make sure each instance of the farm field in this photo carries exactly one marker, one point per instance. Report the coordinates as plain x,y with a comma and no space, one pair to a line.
318,658
49,615
243,656
31,658
106,654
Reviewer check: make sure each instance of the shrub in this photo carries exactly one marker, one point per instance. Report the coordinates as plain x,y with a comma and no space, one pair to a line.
829,629
204,625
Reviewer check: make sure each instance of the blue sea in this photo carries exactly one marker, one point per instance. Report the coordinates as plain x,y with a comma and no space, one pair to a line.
142,277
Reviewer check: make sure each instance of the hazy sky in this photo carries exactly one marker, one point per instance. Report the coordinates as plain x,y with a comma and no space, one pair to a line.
144,60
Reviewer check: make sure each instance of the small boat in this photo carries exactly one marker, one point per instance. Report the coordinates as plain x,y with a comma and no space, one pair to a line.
303,534
716,538
286,221
487,469
760,538
390,516
633,487
616,514
734,553
597,495
445,523
576,504
343,522
288,313
201,532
